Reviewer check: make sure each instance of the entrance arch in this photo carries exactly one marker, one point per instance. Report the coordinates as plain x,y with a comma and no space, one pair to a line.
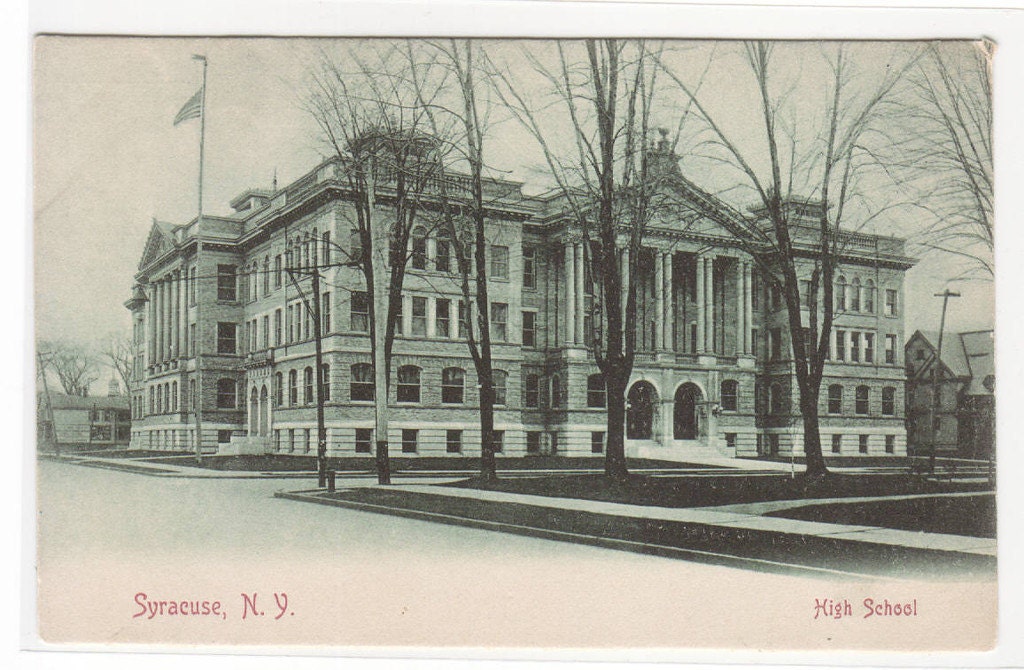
640,402
685,420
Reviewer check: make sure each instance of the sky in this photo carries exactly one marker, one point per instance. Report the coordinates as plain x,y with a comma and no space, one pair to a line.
107,160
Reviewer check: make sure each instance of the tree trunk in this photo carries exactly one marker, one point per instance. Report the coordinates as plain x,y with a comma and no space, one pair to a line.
615,450
812,434
488,466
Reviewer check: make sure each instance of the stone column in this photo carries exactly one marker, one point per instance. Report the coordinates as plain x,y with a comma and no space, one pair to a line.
580,293
668,335
710,316
748,308
741,309
432,317
161,320
570,293
701,304
151,325
177,314
659,302
407,315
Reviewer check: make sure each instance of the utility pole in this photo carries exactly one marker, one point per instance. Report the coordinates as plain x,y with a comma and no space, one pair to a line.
945,295
49,402
321,429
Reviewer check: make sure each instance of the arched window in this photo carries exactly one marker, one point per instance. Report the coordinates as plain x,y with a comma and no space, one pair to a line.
160,399
453,382
174,396
443,253
556,391
841,294
730,388
278,389
307,379
889,401
314,248
293,388
869,297
855,295
863,394
531,391
226,393
835,399
361,384
152,404
192,394
325,381
419,248
500,387
408,384
596,394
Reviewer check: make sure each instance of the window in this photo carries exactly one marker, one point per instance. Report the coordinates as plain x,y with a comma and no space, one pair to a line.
729,392
869,347
730,441
277,327
191,393
840,291
192,339
361,385
223,436
160,399
556,391
499,322
597,442
805,292
326,249
775,399
399,315
278,389
755,290
305,441
863,395
463,320
500,387
855,295
325,314
360,312
920,354
775,338
854,347
529,329
452,385
408,389
152,400
364,436
596,392
533,441
226,337
307,320
419,316
443,255
277,271
890,349
837,444
290,323
891,308
890,444
419,248
755,339
529,268
453,441
409,439
840,345
862,445
266,332
291,440
174,396
192,272
869,297
293,387
307,379
355,245
499,262
227,285
226,391
531,391
266,276
835,399
889,401
498,441
553,437
442,318
325,382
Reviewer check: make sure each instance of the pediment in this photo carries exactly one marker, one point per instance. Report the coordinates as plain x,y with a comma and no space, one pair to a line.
684,207
158,243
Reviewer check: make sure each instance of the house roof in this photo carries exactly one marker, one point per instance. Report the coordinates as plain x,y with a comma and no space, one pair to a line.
62,401
969,356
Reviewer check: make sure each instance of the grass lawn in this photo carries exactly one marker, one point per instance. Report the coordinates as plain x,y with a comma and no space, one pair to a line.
290,463
974,516
704,491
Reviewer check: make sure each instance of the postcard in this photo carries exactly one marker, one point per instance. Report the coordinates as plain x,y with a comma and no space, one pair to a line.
457,344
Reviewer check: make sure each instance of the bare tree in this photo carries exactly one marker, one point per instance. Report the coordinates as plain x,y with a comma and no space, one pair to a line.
76,368
604,91
948,150
374,123
828,164
120,354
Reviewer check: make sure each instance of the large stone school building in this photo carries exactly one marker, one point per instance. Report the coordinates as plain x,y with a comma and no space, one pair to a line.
713,373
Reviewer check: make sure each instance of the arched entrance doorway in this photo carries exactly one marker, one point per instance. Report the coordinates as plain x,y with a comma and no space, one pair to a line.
640,402
685,421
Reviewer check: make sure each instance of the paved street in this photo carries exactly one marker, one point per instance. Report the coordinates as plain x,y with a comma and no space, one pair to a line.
356,578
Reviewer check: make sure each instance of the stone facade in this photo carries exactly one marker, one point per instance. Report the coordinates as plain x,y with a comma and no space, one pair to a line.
712,344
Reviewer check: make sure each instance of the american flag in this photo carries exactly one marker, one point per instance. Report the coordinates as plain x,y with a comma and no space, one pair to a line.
191,109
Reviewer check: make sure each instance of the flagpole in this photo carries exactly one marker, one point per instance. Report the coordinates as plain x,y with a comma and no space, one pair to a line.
197,398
